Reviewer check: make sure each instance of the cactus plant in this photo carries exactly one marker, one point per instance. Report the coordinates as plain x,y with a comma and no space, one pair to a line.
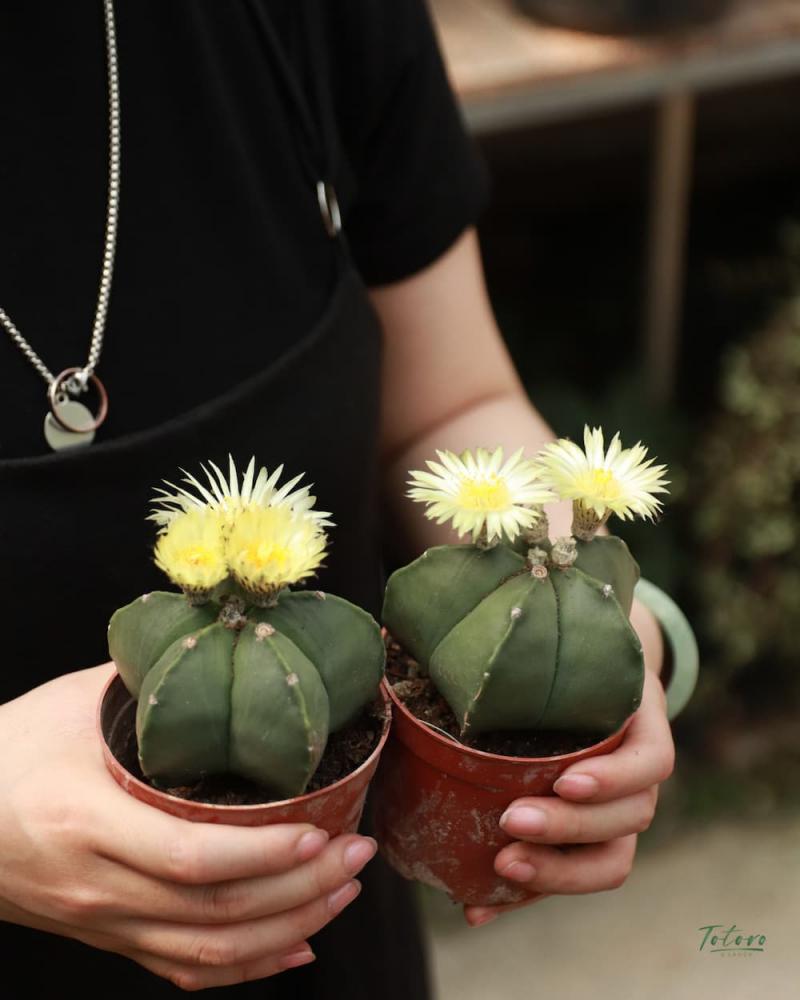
516,632
238,673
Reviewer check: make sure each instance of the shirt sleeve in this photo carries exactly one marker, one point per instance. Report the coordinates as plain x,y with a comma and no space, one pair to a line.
420,180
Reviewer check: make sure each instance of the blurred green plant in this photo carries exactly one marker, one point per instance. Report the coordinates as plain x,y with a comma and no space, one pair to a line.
728,547
745,526
747,514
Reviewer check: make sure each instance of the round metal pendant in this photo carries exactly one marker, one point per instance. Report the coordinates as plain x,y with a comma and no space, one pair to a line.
76,415
57,395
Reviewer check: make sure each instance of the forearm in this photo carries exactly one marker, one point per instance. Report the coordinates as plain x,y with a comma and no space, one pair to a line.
449,383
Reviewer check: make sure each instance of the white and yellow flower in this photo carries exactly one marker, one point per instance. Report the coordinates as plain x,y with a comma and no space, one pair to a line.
264,536
269,548
602,482
228,496
191,551
480,495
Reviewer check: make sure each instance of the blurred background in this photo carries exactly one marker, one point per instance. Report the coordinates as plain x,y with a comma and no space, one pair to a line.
643,258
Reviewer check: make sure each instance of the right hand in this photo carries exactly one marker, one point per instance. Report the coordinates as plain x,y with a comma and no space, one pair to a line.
197,903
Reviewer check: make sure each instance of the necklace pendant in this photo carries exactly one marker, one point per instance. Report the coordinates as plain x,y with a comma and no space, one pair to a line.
69,423
76,415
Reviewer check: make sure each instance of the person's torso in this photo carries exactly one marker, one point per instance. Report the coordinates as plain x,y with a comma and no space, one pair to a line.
236,325
222,261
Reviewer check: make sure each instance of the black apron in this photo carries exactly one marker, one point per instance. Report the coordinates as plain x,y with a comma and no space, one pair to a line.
75,546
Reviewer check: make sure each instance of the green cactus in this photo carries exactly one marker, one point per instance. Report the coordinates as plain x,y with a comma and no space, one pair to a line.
239,674
515,631
223,688
516,643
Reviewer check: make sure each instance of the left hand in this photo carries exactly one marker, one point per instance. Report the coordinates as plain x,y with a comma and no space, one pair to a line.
583,838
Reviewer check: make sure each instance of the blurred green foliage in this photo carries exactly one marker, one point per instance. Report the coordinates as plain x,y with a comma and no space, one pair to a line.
743,508
726,546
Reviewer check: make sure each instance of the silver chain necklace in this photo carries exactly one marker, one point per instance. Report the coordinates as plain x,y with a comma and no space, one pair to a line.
69,422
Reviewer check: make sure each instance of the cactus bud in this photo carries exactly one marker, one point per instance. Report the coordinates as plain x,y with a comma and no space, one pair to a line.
564,552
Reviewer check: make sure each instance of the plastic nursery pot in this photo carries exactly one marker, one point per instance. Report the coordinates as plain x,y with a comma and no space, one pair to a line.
336,808
438,805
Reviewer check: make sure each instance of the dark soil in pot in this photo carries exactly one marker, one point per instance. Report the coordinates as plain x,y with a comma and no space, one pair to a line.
422,699
345,751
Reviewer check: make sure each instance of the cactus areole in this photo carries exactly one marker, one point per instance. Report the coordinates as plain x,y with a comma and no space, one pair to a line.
239,674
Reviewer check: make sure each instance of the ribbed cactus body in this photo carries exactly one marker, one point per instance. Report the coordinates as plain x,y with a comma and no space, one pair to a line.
279,712
334,635
608,559
427,598
495,667
177,729
522,647
140,632
254,692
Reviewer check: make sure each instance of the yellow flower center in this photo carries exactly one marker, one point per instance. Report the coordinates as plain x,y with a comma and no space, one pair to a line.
484,494
600,484
260,554
197,555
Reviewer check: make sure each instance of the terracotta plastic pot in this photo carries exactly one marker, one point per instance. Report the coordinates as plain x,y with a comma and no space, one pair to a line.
438,805
336,808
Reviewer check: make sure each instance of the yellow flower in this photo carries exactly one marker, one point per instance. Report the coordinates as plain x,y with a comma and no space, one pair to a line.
226,495
269,548
191,551
617,481
479,495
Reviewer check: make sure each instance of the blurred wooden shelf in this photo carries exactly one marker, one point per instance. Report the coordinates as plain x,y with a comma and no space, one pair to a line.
512,71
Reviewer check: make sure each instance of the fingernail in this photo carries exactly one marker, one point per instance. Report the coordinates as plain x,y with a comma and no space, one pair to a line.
524,820
480,917
296,958
519,871
343,895
310,844
580,786
358,853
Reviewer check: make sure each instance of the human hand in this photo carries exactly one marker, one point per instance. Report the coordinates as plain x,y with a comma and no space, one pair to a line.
583,839
199,904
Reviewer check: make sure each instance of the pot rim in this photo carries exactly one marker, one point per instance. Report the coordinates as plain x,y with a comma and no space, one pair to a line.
483,755
255,807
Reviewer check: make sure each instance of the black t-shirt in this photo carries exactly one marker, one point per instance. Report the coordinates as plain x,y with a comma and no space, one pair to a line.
222,259
223,266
